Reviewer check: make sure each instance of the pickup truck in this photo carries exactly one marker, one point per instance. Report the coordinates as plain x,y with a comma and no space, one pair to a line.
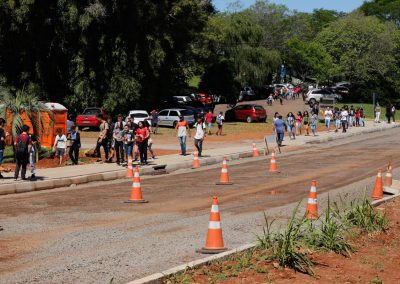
88,117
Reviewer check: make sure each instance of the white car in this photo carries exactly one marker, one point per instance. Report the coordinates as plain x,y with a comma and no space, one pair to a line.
315,95
138,115
182,99
170,117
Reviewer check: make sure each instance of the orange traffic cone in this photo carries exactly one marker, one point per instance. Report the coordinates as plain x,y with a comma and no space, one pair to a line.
136,192
196,163
389,176
224,178
312,206
214,241
377,193
129,171
255,151
273,167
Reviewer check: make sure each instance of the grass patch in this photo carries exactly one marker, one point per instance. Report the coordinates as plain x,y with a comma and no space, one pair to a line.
369,110
9,154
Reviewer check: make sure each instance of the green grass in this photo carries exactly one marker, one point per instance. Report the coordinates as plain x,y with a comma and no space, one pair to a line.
369,110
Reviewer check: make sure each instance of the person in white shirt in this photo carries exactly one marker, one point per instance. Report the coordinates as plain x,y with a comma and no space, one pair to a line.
328,115
343,119
200,134
60,145
219,120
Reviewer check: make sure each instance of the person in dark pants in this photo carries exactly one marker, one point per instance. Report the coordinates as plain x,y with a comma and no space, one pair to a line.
388,112
142,135
118,140
102,139
23,146
75,146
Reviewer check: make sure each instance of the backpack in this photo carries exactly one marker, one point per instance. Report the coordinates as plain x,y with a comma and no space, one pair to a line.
22,147
218,120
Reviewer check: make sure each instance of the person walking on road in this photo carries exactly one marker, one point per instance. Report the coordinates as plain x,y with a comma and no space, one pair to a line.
219,120
299,123
23,145
102,138
377,111
328,116
181,131
306,121
290,119
60,146
209,120
154,121
313,123
75,146
200,135
142,136
279,128
343,119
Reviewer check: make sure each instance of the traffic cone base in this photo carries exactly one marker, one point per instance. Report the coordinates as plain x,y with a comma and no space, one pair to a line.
211,251
137,201
224,183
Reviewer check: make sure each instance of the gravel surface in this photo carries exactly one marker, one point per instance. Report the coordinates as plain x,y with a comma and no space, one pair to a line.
88,235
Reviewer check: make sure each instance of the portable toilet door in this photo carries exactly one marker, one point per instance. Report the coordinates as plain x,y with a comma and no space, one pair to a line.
49,133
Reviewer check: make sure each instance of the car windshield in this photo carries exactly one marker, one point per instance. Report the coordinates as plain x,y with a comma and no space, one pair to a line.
91,111
139,115
186,112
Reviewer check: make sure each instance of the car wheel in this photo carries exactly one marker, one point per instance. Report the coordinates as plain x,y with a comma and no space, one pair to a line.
174,124
312,102
249,119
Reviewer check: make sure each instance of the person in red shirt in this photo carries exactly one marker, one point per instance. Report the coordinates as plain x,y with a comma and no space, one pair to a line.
142,136
23,146
209,120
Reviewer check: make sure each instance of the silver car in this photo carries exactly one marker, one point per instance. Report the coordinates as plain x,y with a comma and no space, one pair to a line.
170,117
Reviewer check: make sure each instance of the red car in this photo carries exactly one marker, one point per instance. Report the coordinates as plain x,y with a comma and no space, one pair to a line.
246,112
205,99
88,118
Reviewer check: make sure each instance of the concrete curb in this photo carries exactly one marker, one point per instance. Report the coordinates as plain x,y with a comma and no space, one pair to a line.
110,175
157,278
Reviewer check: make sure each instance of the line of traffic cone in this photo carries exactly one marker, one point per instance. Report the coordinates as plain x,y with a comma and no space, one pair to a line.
136,192
129,170
196,162
255,151
214,241
312,206
273,166
377,193
224,178
389,176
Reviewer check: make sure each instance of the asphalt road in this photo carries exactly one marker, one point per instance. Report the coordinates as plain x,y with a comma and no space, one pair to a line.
88,235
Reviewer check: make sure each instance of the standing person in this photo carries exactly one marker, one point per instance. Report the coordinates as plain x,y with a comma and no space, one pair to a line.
343,118
336,115
60,145
388,112
128,140
70,123
362,117
150,140
142,136
181,131
357,116
23,145
315,108
154,120
110,140
290,125
328,116
377,111
393,113
299,123
351,116
200,135
209,120
119,140
2,143
219,120
279,129
306,121
75,146
270,100
102,138
33,156
313,123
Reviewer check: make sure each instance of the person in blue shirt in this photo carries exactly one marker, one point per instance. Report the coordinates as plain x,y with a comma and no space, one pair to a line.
75,145
279,128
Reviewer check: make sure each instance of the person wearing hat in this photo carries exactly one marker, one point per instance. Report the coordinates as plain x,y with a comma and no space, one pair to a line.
181,131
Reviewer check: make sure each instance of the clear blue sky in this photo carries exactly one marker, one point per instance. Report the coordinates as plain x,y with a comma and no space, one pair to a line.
300,5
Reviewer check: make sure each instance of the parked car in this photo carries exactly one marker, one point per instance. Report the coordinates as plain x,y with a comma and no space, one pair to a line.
246,112
204,98
182,99
88,118
138,115
315,95
170,117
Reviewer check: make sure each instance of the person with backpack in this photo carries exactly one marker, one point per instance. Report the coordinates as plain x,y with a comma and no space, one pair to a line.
33,156
23,145
75,145
60,146
219,120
